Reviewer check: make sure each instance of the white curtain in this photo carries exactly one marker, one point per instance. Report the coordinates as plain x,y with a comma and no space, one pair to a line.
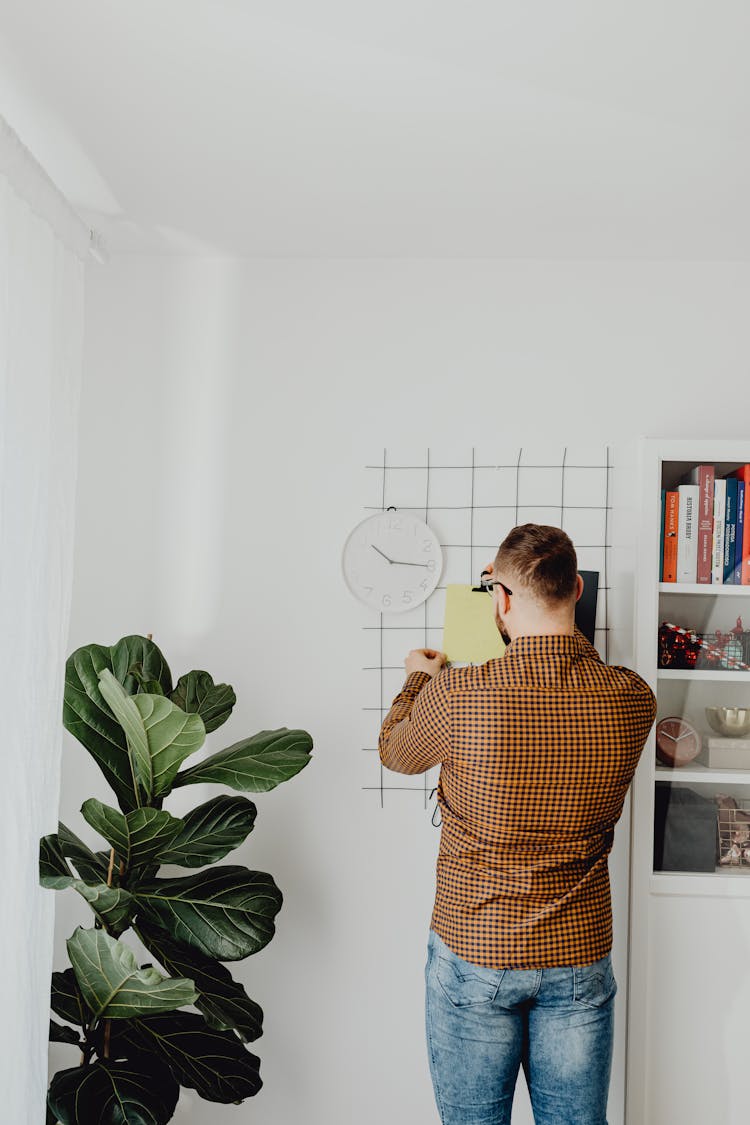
43,246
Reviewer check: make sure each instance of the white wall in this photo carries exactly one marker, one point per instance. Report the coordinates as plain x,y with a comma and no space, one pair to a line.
228,411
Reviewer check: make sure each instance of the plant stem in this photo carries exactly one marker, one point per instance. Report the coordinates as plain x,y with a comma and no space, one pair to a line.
108,1023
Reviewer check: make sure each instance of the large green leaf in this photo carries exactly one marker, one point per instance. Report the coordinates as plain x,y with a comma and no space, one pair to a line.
224,1002
87,716
93,867
53,866
136,660
54,849
124,709
211,831
111,905
58,1033
142,1092
66,1000
225,913
214,1063
139,837
255,764
197,693
113,986
159,735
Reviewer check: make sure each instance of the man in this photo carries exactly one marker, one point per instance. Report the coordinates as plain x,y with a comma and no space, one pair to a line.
537,750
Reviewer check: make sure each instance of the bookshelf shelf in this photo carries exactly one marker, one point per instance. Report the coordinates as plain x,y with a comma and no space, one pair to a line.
698,774
718,884
704,589
697,677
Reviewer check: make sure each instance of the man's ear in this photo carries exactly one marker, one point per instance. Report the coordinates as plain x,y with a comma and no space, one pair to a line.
579,587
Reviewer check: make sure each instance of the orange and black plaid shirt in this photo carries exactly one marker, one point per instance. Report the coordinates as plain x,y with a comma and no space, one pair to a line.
537,750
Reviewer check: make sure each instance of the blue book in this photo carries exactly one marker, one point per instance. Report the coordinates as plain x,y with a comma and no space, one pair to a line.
730,531
740,533
661,541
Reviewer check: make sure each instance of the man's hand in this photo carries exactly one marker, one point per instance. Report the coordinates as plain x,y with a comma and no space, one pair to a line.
425,660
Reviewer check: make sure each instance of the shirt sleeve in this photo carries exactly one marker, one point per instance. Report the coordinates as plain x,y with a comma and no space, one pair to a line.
416,732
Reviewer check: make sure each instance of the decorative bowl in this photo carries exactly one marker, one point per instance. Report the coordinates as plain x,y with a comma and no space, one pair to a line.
732,722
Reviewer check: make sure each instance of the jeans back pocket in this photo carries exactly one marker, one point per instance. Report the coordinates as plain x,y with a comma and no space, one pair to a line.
464,984
595,984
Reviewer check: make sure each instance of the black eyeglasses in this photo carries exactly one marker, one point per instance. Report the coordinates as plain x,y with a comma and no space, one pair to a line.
488,584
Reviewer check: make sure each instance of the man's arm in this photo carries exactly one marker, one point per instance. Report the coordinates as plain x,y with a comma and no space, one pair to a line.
416,731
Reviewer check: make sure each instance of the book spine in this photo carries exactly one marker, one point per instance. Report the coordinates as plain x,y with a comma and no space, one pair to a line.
687,533
671,522
744,475
661,537
720,494
703,476
740,539
730,530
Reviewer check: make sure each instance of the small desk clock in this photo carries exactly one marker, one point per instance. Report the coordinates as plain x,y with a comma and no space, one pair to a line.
677,741
392,561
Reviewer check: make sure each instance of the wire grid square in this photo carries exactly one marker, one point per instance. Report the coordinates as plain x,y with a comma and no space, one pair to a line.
472,501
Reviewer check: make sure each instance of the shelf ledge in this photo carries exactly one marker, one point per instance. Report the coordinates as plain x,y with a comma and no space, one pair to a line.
715,590
700,774
720,884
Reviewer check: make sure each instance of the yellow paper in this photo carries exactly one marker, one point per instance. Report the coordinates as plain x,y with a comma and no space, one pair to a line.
470,634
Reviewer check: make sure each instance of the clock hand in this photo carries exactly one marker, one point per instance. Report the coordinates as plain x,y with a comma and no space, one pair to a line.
399,562
687,734
664,734
381,553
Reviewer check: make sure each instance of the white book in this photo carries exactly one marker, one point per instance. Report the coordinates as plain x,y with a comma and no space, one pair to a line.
720,502
687,533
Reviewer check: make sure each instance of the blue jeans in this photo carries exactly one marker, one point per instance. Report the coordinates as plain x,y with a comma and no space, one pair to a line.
484,1024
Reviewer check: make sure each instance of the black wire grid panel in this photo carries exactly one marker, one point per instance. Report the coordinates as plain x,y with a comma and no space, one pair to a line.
472,503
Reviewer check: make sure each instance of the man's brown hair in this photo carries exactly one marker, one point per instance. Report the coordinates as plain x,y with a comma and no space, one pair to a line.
541,558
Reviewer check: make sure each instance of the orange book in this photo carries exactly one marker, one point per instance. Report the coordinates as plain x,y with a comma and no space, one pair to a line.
744,475
671,512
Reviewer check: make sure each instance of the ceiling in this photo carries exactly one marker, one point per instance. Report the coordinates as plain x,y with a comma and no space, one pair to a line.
417,128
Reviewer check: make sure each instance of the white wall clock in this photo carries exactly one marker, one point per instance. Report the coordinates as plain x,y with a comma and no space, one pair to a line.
392,561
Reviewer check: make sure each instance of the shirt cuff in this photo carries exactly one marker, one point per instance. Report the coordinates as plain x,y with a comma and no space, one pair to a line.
415,682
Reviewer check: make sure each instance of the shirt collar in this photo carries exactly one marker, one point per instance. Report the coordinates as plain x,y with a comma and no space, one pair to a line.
549,644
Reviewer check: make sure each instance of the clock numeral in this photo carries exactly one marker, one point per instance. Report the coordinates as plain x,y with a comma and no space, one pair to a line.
427,546
386,599
407,597
431,565
369,589
424,583
394,524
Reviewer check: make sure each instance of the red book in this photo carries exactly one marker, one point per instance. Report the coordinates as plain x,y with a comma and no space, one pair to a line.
703,476
744,475
671,513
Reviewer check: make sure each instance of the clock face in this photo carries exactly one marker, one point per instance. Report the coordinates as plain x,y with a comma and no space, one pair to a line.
392,562
677,741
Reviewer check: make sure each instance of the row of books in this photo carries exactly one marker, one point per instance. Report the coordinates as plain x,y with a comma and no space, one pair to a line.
705,528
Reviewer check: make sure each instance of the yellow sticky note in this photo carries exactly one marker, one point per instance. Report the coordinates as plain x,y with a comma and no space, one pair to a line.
470,634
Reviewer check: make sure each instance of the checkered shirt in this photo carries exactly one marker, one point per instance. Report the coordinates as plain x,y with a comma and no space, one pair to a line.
536,752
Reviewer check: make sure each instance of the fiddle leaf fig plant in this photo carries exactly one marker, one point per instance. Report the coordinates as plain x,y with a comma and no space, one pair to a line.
144,1031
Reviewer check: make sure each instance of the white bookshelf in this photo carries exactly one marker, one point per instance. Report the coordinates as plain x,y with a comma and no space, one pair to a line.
704,590
703,608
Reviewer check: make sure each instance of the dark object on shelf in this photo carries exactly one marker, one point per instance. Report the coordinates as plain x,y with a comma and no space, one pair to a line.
681,648
586,604
685,830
